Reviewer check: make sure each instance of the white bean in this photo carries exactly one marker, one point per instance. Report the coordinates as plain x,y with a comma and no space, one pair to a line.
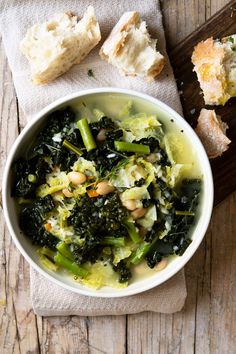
161,265
138,213
76,177
104,188
67,193
101,135
130,204
152,158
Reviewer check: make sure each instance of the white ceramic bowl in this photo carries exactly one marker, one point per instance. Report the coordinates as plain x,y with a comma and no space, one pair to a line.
24,244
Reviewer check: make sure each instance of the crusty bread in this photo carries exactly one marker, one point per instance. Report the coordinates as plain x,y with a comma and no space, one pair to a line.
215,64
211,131
130,48
54,46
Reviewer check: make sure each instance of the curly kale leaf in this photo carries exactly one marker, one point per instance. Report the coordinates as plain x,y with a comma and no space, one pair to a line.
123,271
178,239
59,122
23,187
103,123
159,249
92,220
105,155
32,222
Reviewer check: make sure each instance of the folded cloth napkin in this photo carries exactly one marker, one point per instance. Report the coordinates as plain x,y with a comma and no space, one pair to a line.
15,18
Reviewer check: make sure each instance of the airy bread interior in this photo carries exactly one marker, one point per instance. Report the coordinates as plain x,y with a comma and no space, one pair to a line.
54,46
130,48
215,64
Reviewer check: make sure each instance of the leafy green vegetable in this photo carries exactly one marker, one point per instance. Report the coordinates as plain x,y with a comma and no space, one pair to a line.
85,166
32,219
141,126
123,271
149,218
120,253
107,219
100,275
132,231
95,237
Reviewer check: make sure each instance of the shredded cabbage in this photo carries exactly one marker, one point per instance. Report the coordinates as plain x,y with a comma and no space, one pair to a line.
85,166
56,181
100,275
141,126
175,173
120,253
150,217
174,147
137,193
134,170
126,111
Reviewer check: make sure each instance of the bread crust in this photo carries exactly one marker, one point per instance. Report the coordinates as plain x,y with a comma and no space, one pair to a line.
52,52
116,41
116,38
208,61
211,131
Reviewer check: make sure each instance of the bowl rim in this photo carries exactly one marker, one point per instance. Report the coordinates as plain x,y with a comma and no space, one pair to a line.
117,292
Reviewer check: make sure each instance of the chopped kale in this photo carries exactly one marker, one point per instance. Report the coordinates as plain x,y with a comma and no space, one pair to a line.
32,222
140,183
48,144
177,240
107,216
124,272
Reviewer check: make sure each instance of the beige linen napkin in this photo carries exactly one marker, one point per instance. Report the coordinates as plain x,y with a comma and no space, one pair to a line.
15,18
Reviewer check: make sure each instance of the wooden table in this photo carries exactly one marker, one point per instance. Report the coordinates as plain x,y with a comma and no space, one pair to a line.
207,324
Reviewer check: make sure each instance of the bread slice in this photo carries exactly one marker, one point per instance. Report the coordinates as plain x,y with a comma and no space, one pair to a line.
211,131
54,46
215,64
130,48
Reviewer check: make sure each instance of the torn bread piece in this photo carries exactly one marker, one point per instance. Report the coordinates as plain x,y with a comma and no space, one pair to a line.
215,64
54,46
211,131
130,48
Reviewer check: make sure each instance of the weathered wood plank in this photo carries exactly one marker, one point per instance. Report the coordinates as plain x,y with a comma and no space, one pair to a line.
189,331
181,18
62,335
18,332
223,275
206,325
107,335
220,25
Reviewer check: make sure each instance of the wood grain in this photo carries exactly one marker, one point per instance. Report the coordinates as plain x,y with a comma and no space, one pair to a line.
18,332
220,25
206,324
